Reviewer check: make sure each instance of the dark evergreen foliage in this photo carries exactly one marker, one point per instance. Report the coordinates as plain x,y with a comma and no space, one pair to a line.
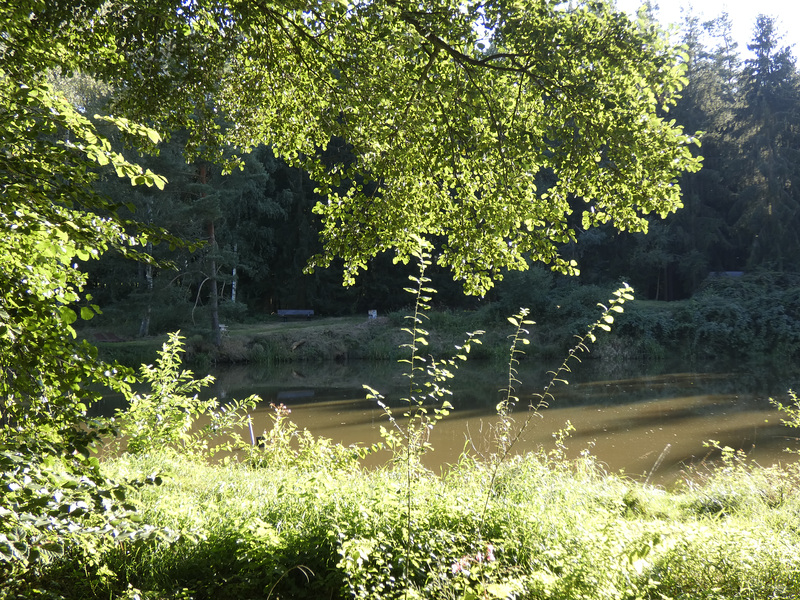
741,213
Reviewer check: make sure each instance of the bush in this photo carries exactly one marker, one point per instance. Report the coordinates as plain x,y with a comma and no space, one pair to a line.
755,315
299,517
164,416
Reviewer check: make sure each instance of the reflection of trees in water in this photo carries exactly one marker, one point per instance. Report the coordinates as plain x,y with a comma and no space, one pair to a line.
261,379
628,413
477,384
595,382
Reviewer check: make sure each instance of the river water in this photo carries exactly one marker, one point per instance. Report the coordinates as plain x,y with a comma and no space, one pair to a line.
648,420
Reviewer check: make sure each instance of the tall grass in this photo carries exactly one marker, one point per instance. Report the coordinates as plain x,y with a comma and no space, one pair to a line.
299,516
555,529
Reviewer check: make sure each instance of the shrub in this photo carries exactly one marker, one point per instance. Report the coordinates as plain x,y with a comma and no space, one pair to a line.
166,416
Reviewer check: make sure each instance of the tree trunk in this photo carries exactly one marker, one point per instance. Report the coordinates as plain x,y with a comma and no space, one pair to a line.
233,276
216,334
144,325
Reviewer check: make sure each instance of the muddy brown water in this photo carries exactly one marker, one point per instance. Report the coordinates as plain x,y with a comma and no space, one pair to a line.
649,421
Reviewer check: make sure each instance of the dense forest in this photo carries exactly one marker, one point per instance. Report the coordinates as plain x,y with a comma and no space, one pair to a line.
258,229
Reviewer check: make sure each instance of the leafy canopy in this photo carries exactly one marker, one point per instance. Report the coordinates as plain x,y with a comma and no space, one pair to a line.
480,126
52,218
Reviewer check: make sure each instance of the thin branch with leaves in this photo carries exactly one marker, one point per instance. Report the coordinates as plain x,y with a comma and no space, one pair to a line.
507,437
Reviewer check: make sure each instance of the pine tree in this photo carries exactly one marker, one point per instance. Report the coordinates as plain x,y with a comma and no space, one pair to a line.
767,172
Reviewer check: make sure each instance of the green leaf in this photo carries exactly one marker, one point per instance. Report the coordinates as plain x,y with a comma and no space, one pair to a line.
153,135
68,315
159,181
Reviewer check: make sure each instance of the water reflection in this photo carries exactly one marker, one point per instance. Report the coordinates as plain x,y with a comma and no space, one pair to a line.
646,420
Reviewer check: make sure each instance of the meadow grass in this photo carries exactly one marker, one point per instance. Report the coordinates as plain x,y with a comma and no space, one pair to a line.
299,516
554,528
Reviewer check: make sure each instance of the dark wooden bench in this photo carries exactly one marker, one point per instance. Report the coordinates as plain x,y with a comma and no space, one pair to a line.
295,313
104,336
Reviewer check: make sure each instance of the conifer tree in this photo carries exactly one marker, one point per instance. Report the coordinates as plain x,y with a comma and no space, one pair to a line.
767,210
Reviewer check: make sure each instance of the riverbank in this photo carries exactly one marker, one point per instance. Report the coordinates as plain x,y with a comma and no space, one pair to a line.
736,320
300,524
272,340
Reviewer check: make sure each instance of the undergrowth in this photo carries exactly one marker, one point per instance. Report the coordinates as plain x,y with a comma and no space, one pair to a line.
292,515
555,529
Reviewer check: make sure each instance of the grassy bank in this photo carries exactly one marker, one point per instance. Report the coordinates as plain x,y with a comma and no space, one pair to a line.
739,324
541,527
273,340
299,517
755,317
269,341
308,340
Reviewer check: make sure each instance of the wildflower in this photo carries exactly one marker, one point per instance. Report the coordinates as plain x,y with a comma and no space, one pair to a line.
462,564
